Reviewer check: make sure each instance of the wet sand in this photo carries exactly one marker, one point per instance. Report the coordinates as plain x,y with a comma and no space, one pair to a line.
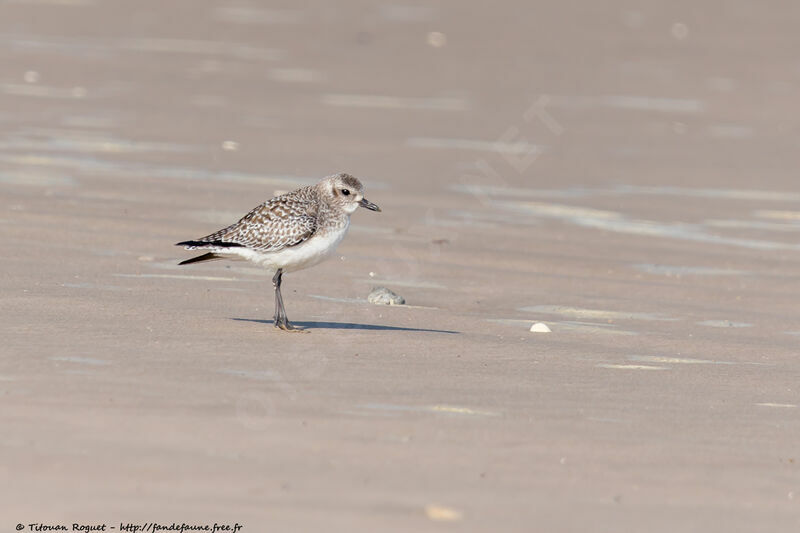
626,175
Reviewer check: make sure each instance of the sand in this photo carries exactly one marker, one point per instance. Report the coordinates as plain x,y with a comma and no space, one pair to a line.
625,174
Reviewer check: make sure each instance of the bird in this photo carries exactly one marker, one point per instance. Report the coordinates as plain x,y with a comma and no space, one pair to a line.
290,232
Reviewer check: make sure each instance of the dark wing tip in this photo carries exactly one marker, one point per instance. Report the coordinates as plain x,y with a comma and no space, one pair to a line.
210,244
200,258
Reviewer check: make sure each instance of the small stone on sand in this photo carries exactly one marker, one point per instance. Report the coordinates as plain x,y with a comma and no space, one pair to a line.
540,327
383,296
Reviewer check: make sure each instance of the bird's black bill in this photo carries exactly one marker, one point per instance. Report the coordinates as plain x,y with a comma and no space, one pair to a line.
369,205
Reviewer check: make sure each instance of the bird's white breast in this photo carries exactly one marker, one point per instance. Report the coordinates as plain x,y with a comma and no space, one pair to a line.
307,254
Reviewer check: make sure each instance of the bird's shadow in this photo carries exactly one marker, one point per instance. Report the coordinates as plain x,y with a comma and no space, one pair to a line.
349,325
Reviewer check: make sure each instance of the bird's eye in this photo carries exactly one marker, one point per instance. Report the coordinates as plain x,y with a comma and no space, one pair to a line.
346,192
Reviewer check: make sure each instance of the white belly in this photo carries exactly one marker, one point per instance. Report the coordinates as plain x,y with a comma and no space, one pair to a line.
311,252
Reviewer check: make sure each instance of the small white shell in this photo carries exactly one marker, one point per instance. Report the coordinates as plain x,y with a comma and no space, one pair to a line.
540,327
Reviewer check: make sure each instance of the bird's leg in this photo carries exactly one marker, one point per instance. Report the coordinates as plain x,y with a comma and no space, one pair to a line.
281,320
276,283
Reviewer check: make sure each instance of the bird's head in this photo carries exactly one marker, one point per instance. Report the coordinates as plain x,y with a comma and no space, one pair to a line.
347,192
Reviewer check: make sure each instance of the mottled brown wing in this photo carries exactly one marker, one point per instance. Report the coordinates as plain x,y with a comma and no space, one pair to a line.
272,226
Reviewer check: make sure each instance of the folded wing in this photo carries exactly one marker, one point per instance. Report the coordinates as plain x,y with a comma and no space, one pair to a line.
272,226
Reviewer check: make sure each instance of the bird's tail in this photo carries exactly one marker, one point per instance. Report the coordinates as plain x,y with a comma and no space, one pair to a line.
210,256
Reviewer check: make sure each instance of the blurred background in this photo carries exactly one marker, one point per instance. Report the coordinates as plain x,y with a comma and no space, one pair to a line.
644,92
622,171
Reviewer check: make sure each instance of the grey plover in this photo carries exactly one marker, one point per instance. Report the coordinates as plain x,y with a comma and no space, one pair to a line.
290,232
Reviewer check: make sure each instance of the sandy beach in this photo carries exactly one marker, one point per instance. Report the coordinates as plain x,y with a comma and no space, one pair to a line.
624,173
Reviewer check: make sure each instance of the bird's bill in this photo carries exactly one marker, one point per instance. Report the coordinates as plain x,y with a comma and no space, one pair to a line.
369,205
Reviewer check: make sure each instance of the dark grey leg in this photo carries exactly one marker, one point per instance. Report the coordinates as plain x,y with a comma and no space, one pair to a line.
279,311
281,320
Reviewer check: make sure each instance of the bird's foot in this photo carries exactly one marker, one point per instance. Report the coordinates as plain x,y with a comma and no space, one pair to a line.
286,326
